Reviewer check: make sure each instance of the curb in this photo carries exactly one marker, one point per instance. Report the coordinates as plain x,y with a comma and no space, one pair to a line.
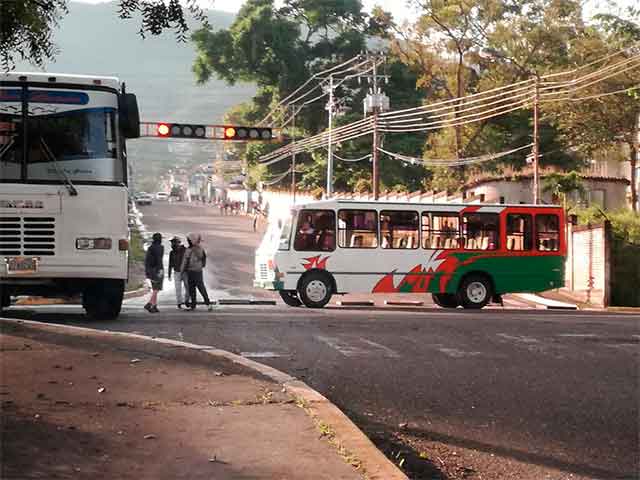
545,302
136,293
375,466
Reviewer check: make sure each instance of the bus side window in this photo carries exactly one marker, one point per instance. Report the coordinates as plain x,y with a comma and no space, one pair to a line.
519,235
358,229
398,229
426,233
316,231
480,231
547,233
444,232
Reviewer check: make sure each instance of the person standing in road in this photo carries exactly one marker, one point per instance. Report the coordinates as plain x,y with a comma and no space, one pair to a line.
175,264
195,260
154,271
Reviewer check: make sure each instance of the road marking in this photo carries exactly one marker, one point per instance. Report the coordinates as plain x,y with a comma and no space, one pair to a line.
343,348
577,335
387,351
518,338
263,354
455,353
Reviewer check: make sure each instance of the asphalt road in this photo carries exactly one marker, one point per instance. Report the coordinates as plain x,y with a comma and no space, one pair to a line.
557,391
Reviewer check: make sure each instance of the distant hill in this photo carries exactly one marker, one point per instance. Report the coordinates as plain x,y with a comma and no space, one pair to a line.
94,40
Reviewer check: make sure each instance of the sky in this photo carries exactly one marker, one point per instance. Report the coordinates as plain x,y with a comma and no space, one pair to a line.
397,7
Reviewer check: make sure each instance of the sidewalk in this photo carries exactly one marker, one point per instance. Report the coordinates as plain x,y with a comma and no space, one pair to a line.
83,404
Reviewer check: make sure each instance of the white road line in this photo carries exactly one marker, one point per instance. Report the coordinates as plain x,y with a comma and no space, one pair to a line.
343,348
263,354
387,351
577,335
518,338
456,353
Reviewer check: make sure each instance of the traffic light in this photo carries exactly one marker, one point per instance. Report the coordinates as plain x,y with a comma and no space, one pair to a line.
247,133
181,130
211,132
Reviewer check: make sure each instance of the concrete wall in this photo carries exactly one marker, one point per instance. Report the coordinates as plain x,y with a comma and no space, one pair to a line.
588,266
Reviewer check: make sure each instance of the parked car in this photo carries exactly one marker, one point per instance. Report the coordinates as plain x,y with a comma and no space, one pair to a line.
162,196
144,199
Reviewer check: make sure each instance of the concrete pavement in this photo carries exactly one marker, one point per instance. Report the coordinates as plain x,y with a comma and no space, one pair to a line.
77,403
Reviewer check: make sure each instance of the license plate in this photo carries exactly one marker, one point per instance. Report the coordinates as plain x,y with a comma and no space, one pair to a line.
20,265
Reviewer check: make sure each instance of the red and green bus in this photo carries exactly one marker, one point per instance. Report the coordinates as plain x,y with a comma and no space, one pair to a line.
463,254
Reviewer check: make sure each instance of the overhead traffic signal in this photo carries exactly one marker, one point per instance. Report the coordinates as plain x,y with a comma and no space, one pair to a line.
212,132
247,133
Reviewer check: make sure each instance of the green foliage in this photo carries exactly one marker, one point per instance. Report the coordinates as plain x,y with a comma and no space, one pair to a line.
562,184
625,224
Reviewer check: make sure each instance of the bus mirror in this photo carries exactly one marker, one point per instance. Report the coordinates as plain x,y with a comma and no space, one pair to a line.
129,115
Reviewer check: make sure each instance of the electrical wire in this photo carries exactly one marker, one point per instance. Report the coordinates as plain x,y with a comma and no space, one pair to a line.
592,97
449,162
366,157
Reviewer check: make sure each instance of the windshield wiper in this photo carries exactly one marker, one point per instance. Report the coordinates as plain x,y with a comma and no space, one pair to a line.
72,190
6,148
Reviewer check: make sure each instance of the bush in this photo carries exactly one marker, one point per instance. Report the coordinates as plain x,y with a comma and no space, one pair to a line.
625,224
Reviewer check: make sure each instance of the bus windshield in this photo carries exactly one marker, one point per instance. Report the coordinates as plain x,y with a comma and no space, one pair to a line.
73,132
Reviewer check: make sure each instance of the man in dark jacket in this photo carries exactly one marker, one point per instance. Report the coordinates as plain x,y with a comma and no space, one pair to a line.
195,260
154,271
175,264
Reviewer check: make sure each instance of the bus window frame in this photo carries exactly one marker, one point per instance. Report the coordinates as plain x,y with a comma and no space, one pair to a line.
497,237
432,214
391,247
301,214
531,216
560,220
364,210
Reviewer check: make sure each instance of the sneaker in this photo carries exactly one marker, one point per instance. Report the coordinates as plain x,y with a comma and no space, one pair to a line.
147,307
210,308
179,306
154,309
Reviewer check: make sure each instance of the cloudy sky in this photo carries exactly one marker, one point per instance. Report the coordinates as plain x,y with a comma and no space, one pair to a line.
397,7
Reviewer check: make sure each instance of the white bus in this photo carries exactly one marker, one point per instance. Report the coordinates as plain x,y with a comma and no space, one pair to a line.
63,188
463,254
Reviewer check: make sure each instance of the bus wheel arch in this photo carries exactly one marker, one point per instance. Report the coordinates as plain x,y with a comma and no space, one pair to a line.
316,287
475,290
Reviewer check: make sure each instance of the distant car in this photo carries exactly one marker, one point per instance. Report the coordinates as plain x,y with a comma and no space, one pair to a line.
144,199
162,196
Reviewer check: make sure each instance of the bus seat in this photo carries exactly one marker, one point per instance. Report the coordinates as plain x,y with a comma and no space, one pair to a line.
435,242
356,241
471,244
484,243
448,243
511,243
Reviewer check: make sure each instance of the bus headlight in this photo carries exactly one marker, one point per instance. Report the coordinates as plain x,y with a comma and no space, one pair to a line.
93,243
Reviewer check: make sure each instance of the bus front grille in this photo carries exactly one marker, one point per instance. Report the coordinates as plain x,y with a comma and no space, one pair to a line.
28,236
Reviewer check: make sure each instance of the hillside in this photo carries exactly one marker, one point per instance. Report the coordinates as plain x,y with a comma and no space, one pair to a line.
93,40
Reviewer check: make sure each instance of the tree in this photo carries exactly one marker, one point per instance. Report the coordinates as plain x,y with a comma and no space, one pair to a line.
596,117
562,185
26,26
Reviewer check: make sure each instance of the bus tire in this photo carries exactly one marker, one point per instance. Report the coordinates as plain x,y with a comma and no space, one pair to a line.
446,300
290,297
315,290
103,300
475,291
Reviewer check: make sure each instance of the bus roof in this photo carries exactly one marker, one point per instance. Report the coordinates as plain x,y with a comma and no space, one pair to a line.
337,202
66,78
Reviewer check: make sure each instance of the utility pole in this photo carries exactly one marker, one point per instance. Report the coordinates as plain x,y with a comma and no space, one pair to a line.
375,103
293,157
330,107
536,143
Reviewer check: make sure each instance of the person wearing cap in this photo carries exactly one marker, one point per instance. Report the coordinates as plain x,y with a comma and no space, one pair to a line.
154,271
194,261
175,264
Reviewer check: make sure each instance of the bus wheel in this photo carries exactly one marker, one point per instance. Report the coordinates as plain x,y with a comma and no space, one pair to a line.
290,297
475,291
315,290
445,300
103,300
